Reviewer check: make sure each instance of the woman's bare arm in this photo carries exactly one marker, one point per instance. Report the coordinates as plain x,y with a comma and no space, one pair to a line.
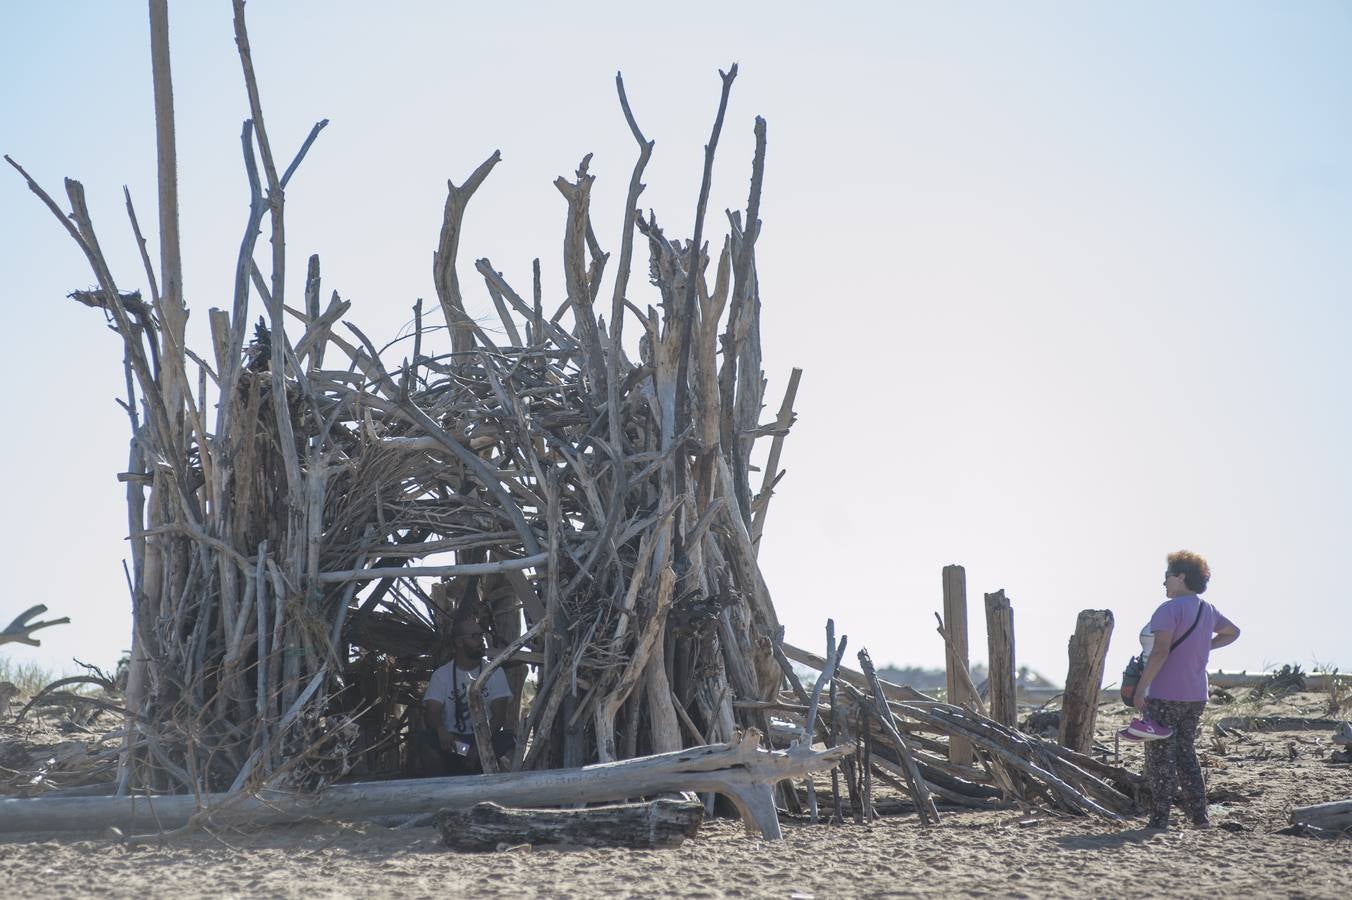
1225,635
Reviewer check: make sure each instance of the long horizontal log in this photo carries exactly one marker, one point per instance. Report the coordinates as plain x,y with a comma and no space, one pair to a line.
1317,682
1334,815
485,568
639,826
740,770
1278,723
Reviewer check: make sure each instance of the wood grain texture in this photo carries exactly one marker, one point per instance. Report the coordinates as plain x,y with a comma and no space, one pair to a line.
635,826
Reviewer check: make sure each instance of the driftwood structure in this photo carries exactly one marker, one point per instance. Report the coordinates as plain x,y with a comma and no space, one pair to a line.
308,511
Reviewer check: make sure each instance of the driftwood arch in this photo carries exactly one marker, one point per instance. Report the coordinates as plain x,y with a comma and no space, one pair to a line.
284,549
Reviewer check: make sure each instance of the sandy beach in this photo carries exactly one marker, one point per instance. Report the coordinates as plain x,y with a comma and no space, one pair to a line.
1253,781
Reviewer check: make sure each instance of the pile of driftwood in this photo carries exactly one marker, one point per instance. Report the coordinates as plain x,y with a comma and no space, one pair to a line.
939,753
308,511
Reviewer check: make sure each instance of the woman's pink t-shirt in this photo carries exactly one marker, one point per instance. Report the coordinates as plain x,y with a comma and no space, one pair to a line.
1183,677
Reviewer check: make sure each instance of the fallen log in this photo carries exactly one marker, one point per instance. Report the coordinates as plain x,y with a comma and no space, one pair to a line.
636,826
740,770
1278,723
1335,816
1314,683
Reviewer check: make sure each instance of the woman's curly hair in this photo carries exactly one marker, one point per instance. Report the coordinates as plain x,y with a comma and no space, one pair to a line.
1196,573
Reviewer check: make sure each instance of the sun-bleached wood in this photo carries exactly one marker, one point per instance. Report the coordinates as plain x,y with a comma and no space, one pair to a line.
956,660
20,631
740,770
299,496
1333,816
1000,656
1088,649
637,826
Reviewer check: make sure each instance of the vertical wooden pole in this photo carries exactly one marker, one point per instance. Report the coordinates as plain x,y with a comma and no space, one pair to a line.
955,624
171,266
1000,658
866,769
851,768
442,620
500,596
837,811
1079,704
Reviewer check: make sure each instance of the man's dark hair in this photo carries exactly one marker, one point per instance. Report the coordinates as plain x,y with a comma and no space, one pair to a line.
466,613
1196,573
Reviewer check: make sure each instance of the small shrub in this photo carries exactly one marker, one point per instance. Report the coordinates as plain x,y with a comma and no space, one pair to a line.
1286,680
29,677
1338,687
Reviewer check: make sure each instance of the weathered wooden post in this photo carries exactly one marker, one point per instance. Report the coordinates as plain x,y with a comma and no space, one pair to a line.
957,670
1000,658
1079,704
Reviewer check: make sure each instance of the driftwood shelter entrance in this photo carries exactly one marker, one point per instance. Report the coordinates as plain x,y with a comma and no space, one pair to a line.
307,511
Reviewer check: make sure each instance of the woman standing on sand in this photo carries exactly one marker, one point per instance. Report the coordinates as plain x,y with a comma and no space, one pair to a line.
1173,690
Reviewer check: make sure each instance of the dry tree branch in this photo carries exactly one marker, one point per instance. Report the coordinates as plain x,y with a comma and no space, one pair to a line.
20,631
692,267
443,260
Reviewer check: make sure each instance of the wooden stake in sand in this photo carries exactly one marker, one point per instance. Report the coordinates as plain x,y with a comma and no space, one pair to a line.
957,669
1000,666
1079,705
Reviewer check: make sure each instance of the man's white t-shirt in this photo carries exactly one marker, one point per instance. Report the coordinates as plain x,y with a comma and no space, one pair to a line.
451,682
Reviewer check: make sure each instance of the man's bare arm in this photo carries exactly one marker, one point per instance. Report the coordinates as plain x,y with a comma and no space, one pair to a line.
435,711
497,714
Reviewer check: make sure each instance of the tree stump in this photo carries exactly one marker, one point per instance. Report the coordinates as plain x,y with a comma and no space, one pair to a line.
637,826
1079,704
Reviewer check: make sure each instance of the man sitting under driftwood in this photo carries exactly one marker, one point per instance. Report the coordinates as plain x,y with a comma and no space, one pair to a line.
448,747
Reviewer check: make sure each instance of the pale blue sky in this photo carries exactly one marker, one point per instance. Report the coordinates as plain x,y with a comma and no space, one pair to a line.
1069,282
